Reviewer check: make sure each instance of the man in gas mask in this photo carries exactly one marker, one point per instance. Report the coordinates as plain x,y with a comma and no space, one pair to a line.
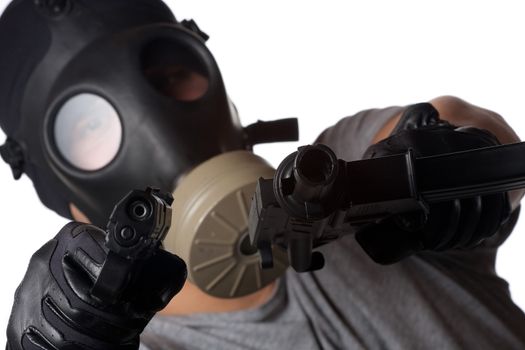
86,134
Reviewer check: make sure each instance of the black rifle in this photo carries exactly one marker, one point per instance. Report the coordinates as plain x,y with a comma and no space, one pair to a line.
315,198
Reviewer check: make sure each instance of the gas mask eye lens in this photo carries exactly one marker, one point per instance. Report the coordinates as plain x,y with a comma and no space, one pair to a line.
87,131
179,82
174,71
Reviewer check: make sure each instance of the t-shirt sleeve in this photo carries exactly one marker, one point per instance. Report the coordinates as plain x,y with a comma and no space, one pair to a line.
351,136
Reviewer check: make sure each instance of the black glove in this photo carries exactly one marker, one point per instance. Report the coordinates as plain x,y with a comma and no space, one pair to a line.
447,225
54,309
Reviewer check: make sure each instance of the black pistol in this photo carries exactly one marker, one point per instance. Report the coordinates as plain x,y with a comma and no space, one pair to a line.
136,228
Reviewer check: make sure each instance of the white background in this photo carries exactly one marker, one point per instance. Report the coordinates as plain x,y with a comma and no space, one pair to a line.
320,61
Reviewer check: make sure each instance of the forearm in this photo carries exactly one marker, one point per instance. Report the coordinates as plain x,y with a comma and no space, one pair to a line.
462,113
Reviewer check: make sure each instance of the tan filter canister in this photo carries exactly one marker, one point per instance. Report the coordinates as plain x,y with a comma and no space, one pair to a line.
209,228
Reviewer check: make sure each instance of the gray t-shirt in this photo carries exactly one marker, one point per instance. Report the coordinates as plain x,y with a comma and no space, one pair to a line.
451,300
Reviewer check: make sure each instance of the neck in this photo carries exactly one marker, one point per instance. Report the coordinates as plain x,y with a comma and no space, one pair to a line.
191,300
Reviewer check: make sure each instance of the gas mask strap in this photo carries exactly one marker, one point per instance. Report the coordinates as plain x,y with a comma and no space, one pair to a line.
280,130
12,154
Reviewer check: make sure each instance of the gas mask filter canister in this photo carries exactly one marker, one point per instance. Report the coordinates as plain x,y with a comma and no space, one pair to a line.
210,226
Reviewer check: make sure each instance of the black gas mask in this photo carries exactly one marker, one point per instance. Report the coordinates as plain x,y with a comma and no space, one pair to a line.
100,97
109,96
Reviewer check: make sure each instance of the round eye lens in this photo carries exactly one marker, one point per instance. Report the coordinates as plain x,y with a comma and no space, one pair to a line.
174,70
87,131
179,82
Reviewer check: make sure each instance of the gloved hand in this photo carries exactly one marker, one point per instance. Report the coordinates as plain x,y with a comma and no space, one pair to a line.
448,225
54,309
